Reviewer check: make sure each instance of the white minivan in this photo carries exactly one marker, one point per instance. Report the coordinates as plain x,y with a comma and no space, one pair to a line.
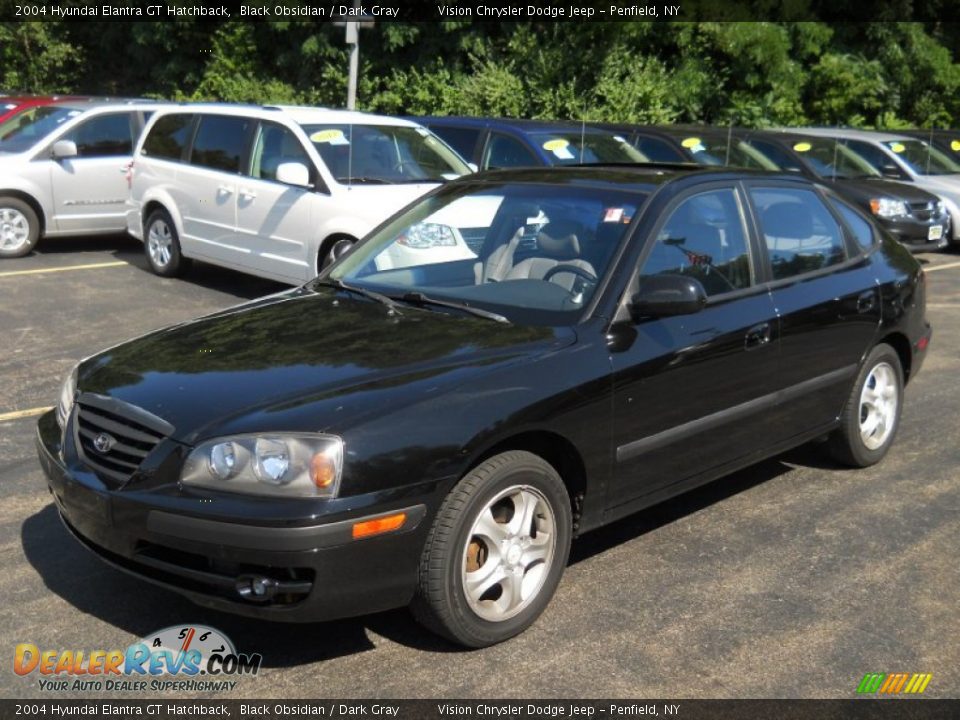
62,170
281,192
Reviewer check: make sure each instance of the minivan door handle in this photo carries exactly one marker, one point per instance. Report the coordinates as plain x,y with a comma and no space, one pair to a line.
224,190
249,194
758,336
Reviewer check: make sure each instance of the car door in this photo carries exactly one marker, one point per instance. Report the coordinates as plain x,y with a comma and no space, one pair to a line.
208,185
274,220
89,191
692,392
827,298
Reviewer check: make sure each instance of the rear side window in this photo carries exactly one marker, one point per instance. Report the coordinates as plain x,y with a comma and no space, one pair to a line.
800,233
104,136
657,150
505,152
463,140
168,137
220,142
860,227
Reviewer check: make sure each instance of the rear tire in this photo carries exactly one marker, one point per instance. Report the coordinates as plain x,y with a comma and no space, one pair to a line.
19,228
869,421
162,245
496,551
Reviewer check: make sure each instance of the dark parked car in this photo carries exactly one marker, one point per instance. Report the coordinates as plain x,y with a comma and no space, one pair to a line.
499,144
914,216
435,435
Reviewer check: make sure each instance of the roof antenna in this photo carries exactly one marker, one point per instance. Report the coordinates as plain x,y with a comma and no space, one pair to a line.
929,150
350,154
726,160
836,150
583,135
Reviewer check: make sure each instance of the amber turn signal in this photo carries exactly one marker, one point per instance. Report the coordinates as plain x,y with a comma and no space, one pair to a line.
323,470
385,524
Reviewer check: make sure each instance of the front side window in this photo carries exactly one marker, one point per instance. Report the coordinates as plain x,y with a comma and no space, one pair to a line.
800,233
833,159
274,146
704,238
505,152
534,253
575,147
657,150
168,137
220,142
27,128
104,136
726,152
923,158
462,139
878,159
384,154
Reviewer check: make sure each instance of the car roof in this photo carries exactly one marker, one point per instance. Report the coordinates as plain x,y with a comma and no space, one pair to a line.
519,125
875,136
300,114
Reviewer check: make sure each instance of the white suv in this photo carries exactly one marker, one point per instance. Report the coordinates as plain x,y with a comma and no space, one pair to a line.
62,171
281,192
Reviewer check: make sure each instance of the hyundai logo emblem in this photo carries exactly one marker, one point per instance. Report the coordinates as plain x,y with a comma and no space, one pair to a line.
103,443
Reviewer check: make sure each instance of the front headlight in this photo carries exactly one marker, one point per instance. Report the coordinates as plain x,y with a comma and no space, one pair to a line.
68,393
287,464
888,207
427,235
939,208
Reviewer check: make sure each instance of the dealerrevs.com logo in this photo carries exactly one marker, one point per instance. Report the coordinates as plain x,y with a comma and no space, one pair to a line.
894,683
183,658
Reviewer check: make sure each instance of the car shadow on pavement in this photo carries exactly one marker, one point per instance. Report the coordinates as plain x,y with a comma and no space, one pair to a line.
91,586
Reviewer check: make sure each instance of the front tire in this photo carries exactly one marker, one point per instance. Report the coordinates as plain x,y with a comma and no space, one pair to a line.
496,551
333,251
869,421
19,228
162,245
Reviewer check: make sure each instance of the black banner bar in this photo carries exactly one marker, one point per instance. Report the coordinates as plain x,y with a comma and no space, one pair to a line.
854,709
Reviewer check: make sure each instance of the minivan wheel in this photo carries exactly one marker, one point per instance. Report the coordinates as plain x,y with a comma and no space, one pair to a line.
19,228
869,421
496,551
162,245
333,251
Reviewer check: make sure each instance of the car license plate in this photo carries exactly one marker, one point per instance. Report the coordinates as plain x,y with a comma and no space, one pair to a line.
935,232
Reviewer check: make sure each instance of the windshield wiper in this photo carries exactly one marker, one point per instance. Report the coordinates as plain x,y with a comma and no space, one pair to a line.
362,179
373,295
418,298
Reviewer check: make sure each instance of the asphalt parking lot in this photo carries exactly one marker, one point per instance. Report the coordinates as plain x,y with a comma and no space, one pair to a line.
790,579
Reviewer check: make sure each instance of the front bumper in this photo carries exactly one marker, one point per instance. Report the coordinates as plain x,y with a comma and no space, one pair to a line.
914,234
308,566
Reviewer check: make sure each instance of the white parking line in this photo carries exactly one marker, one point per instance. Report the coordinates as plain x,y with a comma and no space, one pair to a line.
946,266
20,414
42,271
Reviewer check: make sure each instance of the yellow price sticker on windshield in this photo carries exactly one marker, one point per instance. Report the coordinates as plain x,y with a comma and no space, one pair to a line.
897,147
955,145
802,146
554,145
690,142
325,136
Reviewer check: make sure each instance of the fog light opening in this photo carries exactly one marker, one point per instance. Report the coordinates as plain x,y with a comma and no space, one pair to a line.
256,587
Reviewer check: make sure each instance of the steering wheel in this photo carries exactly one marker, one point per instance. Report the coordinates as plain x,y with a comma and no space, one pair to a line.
573,270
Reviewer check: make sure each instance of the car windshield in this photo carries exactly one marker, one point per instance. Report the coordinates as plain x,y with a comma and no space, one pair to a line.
532,253
726,151
576,148
922,158
27,128
384,154
833,159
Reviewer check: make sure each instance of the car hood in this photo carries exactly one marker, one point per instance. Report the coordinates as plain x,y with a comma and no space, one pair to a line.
319,358
866,189
942,183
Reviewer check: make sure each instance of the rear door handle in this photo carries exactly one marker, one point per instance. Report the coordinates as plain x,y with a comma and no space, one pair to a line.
866,301
758,336
248,194
224,190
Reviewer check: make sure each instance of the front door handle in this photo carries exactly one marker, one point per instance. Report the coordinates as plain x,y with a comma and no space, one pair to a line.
224,190
758,336
249,194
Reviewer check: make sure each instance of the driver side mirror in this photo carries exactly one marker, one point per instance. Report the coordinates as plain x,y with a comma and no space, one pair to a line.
63,149
293,173
667,295
891,171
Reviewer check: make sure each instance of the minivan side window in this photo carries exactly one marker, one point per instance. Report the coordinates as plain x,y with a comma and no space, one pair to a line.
168,137
104,136
704,238
801,235
274,145
860,228
220,142
505,152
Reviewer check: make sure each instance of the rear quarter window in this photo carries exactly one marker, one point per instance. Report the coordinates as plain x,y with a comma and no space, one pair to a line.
859,226
168,137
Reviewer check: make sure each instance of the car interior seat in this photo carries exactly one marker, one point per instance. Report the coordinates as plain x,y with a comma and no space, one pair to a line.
558,243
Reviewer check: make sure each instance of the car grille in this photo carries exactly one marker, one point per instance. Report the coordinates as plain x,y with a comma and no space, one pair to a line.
922,210
129,434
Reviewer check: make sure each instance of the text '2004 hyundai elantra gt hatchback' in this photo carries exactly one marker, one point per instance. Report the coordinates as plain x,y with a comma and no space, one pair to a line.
435,435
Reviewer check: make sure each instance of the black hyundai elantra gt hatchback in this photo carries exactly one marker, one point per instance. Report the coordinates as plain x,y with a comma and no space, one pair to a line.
433,432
